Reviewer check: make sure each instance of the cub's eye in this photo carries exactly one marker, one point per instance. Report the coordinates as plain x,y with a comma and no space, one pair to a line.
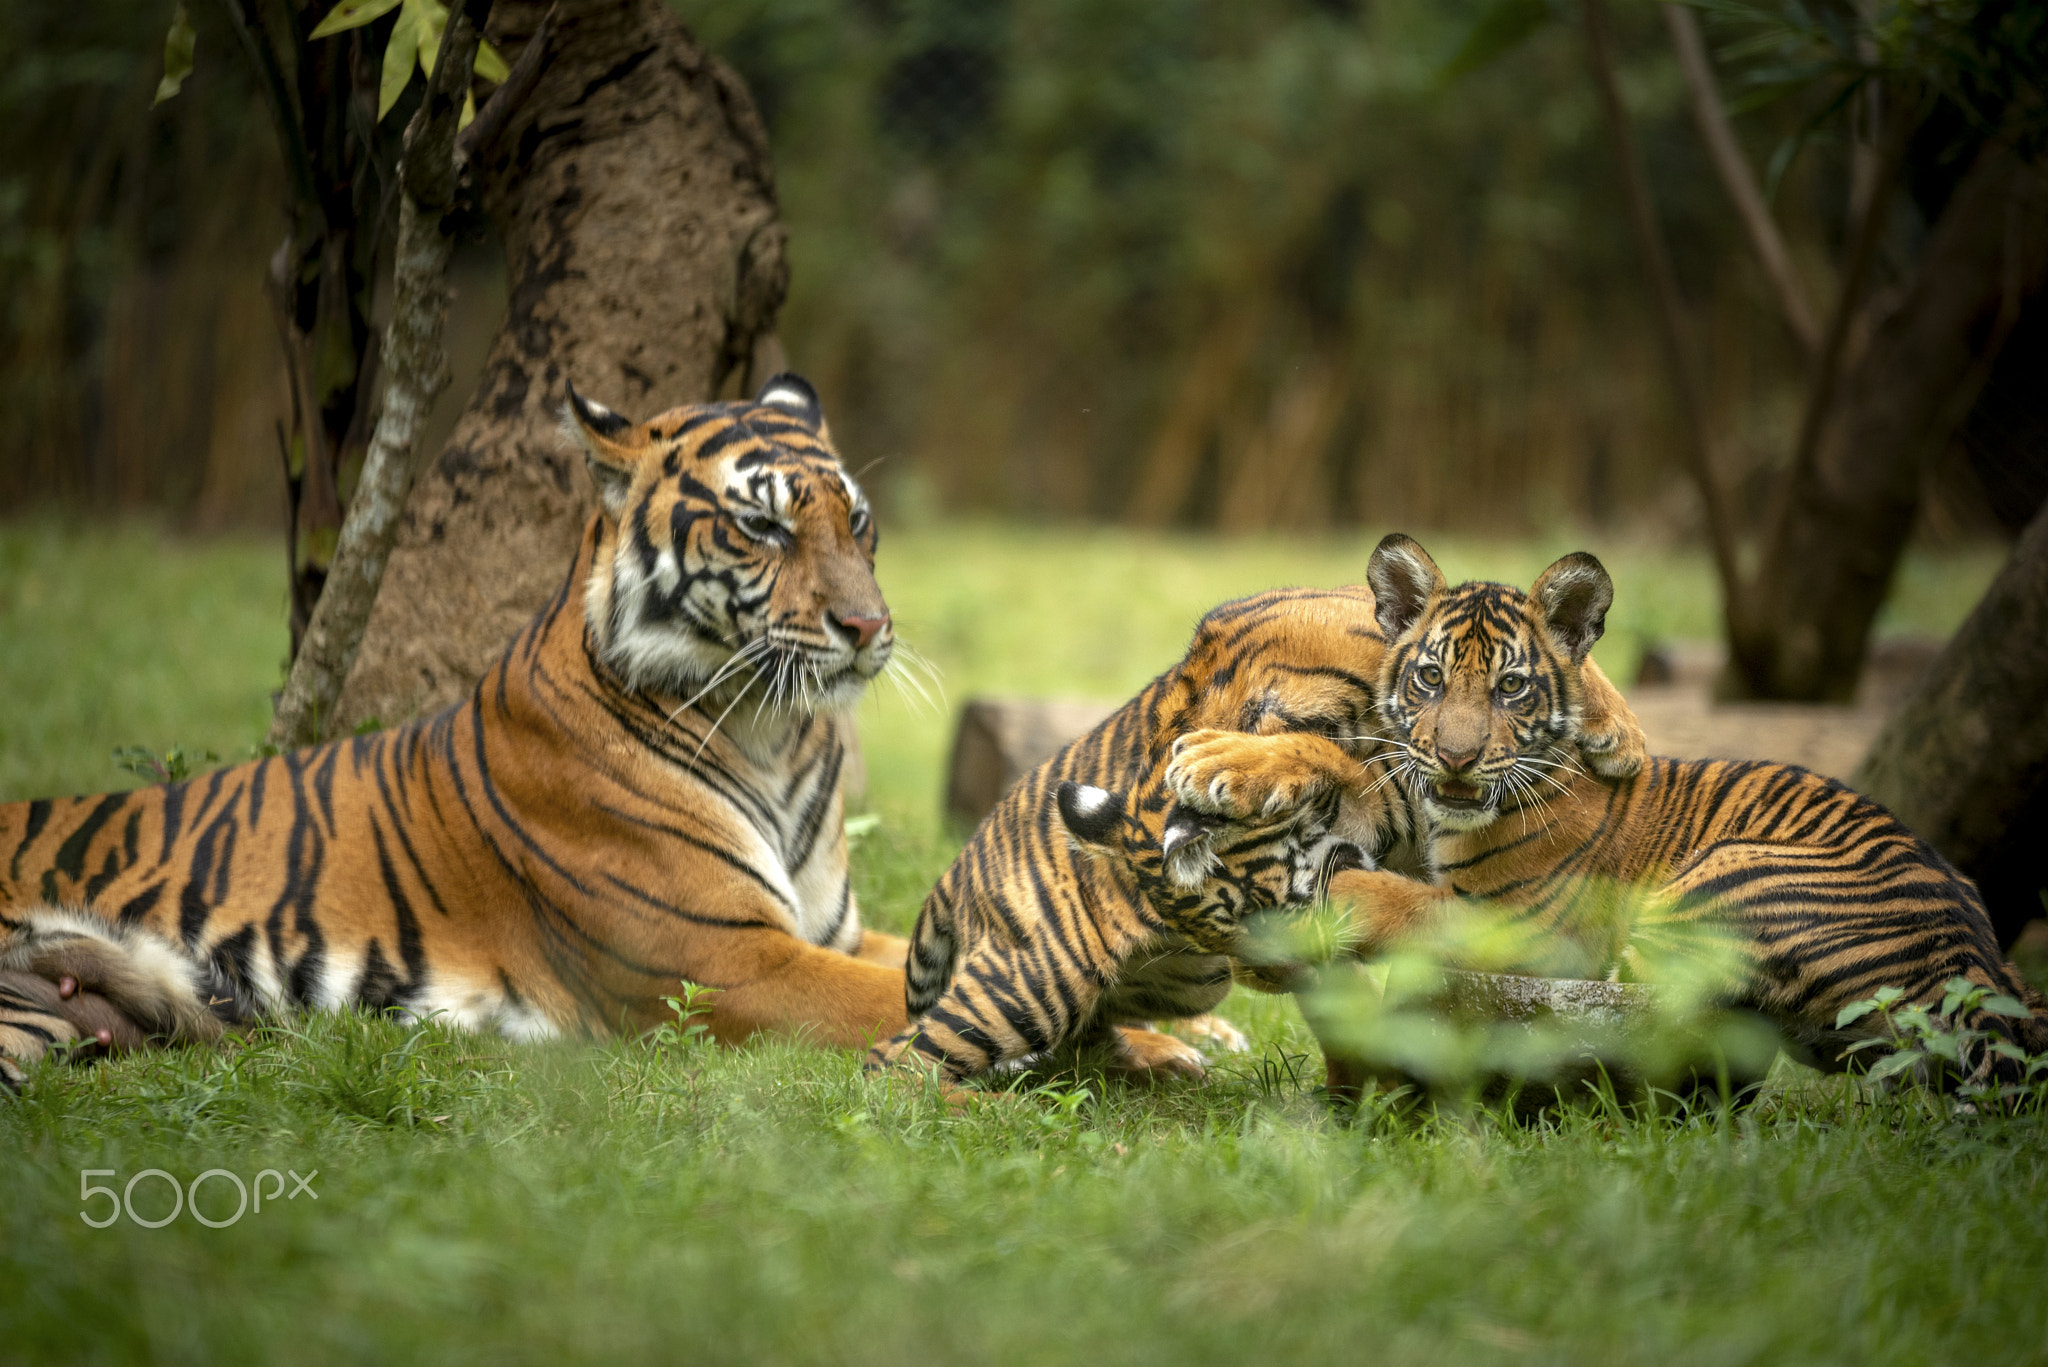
760,527
1431,676
1511,684
859,520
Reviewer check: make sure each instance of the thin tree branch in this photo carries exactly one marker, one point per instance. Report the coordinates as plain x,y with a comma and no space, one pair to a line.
483,130
1827,372
284,106
1711,118
417,370
1669,305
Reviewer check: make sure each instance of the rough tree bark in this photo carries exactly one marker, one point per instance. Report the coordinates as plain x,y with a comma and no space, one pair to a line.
634,195
1964,760
1800,628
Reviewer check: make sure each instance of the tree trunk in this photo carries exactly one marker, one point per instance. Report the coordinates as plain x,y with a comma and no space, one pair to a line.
635,199
1799,629
1964,760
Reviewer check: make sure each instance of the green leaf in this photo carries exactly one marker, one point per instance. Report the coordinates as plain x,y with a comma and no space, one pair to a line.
1855,1011
1885,996
490,63
1944,1046
2001,1005
400,54
352,14
1897,1063
178,44
1499,30
431,20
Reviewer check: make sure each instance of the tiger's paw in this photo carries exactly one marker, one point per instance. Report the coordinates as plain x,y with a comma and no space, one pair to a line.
1241,777
103,977
1610,737
1211,1030
1145,1056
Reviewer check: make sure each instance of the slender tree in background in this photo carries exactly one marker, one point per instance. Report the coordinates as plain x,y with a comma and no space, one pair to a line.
1900,362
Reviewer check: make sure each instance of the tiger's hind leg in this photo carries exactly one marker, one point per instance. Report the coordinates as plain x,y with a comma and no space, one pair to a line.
1810,939
68,976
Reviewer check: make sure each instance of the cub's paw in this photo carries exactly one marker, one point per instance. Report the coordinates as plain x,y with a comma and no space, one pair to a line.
1211,1030
1243,777
1610,737
1145,1056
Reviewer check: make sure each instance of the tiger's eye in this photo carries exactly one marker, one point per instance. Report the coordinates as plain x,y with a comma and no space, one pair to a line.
1511,684
1431,676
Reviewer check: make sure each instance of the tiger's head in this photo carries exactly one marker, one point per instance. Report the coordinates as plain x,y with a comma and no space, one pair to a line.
1205,876
1481,683
743,554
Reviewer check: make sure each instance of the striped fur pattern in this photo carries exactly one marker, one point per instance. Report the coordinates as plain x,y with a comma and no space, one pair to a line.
1092,898
1803,895
644,789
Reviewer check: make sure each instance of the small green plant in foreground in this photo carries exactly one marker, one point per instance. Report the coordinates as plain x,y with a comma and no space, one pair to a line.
1934,1044
174,765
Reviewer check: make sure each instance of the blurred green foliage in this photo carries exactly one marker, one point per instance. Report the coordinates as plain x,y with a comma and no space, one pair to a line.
1244,265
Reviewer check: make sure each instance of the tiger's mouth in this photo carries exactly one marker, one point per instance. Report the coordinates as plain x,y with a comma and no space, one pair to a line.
1460,796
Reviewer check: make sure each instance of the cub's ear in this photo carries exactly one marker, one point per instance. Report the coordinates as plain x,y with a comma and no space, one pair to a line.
1573,595
793,395
1091,814
1404,580
612,447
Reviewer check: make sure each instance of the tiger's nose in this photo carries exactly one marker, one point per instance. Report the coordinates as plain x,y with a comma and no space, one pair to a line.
862,629
1455,760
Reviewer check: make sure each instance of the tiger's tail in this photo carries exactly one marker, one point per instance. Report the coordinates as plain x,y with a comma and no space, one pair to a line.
126,986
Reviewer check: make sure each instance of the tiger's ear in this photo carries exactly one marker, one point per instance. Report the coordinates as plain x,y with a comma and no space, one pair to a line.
1404,580
793,395
1091,814
1573,595
612,447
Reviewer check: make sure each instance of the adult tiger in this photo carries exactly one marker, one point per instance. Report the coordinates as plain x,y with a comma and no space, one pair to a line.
1085,901
1799,894
644,789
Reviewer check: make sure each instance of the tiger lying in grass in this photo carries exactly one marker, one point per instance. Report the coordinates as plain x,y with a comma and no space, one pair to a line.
1087,901
644,789
1820,894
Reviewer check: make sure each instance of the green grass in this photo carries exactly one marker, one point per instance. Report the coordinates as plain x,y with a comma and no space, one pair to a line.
482,1201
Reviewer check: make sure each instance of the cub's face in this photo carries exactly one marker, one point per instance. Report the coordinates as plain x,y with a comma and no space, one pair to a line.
1481,684
742,564
1205,875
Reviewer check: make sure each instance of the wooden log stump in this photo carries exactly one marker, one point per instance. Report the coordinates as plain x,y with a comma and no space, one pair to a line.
998,740
1541,1041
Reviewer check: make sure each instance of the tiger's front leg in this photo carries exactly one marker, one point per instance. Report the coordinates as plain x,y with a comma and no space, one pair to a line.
781,985
1384,909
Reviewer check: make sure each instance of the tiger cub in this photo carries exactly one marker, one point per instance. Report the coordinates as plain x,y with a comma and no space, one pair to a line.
1088,901
643,789
1810,895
